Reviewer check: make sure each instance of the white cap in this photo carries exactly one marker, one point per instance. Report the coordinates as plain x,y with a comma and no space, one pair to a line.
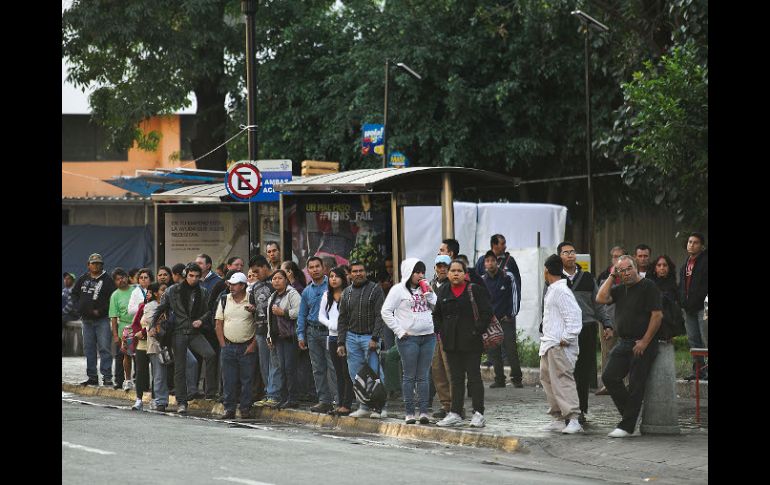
238,278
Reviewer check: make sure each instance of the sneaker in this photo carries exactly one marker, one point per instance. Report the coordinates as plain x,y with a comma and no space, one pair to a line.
90,382
452,419
556,425
322,407
118,385
228,415
137,405
107,382
582,418
378,414
360,413
497,384
517,383
602,392
573,427
424,418
478,420
409,419
181,409
440,414
128,385
271,403
619,433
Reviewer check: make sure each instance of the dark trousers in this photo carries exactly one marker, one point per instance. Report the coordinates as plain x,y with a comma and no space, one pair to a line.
305,385
198,344
120,373
622,361
142,365
287,358
511,351
344,384
461,363
585,367
237,368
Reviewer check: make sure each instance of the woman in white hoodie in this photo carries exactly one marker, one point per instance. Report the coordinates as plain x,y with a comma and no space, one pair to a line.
408,312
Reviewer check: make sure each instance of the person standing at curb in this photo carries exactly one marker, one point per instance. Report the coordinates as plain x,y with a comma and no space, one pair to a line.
559,348
236,329
159,370
120,319
328,315
139,329
455,318
91,297
407,311
360,330
439,366
638,316
608,344
282,310
269,367
693,289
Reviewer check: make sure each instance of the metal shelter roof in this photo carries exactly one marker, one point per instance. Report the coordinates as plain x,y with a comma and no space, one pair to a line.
390,179
195,193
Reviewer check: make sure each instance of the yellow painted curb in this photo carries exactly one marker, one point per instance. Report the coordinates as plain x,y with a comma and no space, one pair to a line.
294,416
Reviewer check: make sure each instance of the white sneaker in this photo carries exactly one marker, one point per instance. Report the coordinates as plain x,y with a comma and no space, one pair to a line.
137,405
556,425
573,427
128,385
410,419
478,420
452,419
359,413
381,415
619,433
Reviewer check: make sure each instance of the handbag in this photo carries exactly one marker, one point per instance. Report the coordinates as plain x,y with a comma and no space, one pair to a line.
165,356
494,334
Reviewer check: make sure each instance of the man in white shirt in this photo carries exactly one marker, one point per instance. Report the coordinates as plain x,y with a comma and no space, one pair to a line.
562,323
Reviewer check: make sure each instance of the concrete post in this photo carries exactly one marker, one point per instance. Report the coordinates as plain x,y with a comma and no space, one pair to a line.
659,411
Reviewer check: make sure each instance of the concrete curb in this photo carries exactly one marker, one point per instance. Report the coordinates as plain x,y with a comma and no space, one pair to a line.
388,428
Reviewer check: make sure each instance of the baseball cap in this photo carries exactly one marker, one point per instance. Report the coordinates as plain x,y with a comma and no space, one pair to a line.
238,278
71,275
95,258
443,259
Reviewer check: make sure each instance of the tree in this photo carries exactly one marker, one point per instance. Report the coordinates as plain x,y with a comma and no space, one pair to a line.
146,57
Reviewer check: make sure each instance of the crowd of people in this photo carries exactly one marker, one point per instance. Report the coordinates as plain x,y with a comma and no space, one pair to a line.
265,334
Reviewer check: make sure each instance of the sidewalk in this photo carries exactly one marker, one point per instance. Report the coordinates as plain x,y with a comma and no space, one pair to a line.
514,418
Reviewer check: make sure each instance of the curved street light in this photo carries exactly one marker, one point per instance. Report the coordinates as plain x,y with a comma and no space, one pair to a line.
412,73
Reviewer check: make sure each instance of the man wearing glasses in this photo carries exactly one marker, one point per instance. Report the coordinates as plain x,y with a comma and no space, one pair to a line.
583,286
638,315
91,296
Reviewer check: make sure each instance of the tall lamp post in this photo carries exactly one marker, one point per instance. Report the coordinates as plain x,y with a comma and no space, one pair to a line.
249,8
411,72
588,23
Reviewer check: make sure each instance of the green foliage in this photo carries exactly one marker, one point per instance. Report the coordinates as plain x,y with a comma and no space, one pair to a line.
528,350
365,251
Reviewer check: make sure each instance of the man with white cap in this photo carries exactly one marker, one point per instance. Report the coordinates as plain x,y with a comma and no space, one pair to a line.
236,328
91,297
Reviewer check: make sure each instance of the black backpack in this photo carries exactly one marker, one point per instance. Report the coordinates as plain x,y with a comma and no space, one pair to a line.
673,320
369,389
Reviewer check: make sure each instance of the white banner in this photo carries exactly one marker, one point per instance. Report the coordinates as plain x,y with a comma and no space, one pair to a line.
218,234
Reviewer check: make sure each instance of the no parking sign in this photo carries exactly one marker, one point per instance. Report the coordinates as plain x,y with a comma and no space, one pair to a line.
243,181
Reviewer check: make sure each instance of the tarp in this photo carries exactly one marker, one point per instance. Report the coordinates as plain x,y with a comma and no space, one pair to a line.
124,246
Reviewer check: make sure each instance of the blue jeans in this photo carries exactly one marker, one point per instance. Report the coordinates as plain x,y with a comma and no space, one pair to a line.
97,335
237,367
416,356
321,362
287,368
269,368
159,380
697,335
357,347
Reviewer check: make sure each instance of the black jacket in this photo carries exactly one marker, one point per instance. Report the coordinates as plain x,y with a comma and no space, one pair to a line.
692,301
185,312
89,294
453,318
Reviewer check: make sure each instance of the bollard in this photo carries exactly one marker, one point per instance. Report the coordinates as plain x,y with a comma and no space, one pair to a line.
660,412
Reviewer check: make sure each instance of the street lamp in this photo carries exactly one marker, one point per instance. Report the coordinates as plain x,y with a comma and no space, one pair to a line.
588,23
411,72
249,8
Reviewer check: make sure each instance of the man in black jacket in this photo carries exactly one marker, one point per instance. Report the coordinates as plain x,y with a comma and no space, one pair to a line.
693,288
91,297
188,300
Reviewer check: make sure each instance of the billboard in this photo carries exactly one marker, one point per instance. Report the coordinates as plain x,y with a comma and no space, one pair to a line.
372,139
220,234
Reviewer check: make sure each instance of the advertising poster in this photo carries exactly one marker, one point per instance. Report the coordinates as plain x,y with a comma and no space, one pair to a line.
218,234
372,140
345,227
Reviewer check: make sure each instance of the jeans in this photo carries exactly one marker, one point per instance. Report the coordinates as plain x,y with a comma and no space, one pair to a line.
344,384
623,361
269,368
357,347
159,380
198,343
97,335
237,368
585,367
416,356
191,364
697,336
461,363
511,351
287,368
321,362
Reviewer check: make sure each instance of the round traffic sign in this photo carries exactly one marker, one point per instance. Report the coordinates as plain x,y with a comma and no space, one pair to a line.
243,180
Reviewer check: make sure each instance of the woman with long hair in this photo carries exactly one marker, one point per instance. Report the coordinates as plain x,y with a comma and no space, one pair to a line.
147,348
454,318
296,277
282,312
328,314
664,275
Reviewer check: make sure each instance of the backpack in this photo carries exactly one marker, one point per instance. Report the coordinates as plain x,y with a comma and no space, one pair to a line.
673,320
369,389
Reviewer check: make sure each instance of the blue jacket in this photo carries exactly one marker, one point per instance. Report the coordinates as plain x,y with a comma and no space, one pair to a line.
211,280
310,305
507,263
501,289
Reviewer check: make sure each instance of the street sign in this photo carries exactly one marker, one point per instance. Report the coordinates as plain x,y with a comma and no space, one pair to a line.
243,180
397,160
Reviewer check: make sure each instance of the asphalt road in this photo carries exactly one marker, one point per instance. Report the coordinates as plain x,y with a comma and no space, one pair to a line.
104,441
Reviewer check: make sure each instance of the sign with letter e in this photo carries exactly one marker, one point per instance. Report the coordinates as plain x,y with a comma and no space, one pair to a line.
243,181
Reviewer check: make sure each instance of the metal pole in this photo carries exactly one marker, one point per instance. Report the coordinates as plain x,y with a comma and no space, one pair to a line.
447,208
588,146
394,236
249,8
385,119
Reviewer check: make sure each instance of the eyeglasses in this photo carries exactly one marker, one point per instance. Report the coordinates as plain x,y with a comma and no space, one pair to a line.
568,253
625,270
144,277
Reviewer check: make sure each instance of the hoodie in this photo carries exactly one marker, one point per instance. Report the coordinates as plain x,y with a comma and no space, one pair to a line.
407,310
91,296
